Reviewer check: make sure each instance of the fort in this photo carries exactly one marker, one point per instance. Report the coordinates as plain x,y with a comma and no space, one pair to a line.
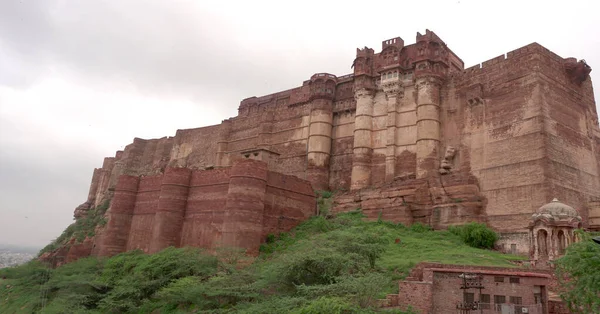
409,136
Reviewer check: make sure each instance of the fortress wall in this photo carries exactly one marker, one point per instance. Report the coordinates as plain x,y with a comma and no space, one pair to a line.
233,206
146,203
340,165
103,178
195,148
502,135
116,234
288,201
406,133
170,213
378,138
205,208
570,125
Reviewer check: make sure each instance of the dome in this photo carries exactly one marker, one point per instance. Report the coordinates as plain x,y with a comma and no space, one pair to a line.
556,211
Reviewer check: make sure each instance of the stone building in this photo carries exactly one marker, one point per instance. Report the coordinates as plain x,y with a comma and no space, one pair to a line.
410,136
439,288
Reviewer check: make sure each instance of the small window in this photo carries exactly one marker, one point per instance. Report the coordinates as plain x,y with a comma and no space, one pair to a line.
516,300
498,279
485,301
469,297
515,280
499,299
537,298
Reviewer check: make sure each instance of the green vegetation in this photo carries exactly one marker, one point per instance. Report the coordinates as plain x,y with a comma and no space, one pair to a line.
476,235
339,264
324,202
579,275
81,228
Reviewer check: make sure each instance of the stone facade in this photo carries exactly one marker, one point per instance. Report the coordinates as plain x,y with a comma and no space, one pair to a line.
236,206
410,135
439,288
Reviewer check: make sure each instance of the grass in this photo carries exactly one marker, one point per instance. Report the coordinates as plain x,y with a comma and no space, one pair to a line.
330,264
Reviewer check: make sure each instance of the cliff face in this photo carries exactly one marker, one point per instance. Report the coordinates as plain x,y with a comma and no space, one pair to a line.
410,136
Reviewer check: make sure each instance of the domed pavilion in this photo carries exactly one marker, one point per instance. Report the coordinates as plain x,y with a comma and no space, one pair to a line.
551,230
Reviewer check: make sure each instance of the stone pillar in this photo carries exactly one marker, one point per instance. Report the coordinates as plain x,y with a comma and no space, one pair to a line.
221,159
319,143
363,148
393,91
550,244
116,234
536,249
170,212
244,208
428,125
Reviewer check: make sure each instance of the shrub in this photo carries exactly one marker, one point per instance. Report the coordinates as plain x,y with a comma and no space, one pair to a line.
419,227
330,305
475,234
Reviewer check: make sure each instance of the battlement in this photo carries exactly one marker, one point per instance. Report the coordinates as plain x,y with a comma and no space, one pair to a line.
428,37
396,42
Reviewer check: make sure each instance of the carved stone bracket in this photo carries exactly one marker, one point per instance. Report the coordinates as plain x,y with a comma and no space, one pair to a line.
392,88
362,93
446,163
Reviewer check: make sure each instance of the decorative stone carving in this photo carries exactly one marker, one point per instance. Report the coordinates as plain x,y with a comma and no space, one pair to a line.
446,163
362,93
578,72
391,87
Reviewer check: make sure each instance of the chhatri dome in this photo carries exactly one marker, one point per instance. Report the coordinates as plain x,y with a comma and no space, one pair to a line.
556,211
551,230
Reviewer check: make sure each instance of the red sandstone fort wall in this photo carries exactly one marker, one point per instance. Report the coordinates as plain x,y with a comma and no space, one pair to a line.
523,131
233,207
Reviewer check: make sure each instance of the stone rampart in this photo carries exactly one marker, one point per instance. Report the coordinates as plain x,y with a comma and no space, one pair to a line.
231,207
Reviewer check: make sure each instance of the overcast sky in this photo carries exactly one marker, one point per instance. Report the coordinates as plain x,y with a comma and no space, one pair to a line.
80,79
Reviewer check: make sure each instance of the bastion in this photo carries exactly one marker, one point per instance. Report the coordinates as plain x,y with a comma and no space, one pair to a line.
411,135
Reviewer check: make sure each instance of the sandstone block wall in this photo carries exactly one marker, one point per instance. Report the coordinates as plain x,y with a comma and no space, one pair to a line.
436,288
491,143
231,207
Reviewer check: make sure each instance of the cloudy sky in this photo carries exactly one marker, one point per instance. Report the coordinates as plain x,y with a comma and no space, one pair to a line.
80,79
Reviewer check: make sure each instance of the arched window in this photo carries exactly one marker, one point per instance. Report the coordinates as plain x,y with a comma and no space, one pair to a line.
542,243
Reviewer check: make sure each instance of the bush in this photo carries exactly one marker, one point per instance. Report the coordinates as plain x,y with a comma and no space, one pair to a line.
419,227
476,235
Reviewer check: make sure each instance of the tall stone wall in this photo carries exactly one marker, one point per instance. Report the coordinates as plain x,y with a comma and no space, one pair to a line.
489,143
237,206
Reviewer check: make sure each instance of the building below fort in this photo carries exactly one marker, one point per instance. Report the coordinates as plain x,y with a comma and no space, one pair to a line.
409,136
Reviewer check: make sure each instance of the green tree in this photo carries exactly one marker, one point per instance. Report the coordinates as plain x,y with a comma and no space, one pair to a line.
578,272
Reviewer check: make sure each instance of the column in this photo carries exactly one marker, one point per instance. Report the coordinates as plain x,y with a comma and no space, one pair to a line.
116,234
319,143
428,125
536,249
550,244
244,208
170,213
363,149
392,90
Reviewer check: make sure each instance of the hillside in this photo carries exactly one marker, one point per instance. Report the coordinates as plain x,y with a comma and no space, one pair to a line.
325,265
